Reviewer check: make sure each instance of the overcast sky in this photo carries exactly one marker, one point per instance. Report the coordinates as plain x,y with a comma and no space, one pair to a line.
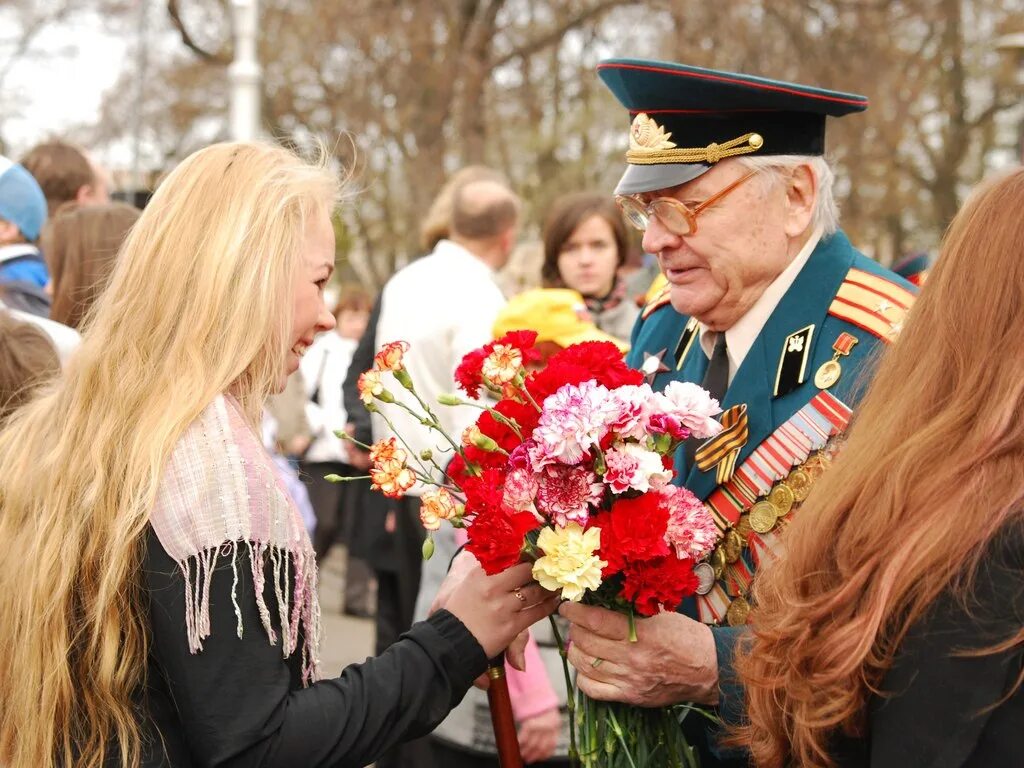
59,84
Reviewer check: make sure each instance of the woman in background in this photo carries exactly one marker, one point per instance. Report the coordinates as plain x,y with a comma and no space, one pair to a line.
891,634
158,592
80,245
585,244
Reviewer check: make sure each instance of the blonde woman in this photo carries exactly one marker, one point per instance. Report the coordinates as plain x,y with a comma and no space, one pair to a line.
157,589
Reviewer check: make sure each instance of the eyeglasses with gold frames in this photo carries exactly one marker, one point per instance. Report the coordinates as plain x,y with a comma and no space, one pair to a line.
677,217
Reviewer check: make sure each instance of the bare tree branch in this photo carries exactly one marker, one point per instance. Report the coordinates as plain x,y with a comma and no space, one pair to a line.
213,57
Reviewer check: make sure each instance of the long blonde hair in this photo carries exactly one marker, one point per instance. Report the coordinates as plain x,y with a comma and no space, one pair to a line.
200,302
931,473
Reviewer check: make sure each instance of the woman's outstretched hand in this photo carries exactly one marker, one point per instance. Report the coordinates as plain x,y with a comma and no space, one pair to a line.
495,609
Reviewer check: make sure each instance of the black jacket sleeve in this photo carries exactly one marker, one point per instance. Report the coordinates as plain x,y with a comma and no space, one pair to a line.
362,360
239,703
943,709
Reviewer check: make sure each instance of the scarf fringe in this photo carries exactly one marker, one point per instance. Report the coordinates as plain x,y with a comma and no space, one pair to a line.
297,608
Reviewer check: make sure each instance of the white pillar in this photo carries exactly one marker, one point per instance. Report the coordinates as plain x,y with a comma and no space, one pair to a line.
244,73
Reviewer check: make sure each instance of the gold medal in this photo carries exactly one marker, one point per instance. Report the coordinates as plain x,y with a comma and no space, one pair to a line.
732,545
705,574
830,371
718,562
763,516
738,611
782,497
828,374
799,481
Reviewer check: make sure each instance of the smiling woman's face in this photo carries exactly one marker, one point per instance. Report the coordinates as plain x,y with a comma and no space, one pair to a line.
309,313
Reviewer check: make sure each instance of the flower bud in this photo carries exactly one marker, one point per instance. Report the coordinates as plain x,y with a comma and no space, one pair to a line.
448,399
332,478
426,454
428,548
403,378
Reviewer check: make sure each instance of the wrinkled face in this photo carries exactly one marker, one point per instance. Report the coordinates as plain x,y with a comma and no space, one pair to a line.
739,248
589,258
309,313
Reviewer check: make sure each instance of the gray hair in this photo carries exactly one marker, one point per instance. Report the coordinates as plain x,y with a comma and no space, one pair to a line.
826,211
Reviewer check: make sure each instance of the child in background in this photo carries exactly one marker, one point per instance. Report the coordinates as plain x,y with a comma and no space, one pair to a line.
23,272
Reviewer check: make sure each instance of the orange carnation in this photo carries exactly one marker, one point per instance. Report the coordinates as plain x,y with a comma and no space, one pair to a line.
392,478
436,505
387,450
390,356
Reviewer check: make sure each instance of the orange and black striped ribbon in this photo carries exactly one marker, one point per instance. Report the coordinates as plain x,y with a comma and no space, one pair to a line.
723,449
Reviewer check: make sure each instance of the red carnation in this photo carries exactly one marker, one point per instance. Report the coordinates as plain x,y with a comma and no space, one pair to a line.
496,537
633,531
604,361
468,375
662,583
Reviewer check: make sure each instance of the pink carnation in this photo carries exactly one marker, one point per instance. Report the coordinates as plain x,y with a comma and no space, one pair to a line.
566,493
521,486
691,529
630,407
574,419
692,405
621,469
668,424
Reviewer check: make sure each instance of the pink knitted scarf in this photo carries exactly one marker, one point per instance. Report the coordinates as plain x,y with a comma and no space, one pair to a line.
220,491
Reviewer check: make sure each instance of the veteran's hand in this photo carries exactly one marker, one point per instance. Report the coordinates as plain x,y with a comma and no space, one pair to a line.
538,736
673,660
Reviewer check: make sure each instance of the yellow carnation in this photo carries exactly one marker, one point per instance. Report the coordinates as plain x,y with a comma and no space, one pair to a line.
569,562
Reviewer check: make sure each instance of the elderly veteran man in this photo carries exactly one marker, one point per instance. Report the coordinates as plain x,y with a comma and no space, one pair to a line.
769,307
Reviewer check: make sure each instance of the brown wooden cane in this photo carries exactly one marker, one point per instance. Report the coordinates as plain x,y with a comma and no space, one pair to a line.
504,723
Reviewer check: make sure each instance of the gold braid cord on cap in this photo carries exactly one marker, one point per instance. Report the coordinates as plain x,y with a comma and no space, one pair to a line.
649,144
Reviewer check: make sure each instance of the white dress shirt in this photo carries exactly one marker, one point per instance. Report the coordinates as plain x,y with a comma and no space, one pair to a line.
324,367
444,305
742,335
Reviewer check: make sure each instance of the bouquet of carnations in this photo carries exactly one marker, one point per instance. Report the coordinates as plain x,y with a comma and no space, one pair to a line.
570,468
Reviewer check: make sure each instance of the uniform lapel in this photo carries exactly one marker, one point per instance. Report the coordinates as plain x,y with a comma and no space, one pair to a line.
805,303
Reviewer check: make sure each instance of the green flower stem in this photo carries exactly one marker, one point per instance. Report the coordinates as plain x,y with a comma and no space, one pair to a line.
632,626
570,691
617,729
510,423
436,425
346,437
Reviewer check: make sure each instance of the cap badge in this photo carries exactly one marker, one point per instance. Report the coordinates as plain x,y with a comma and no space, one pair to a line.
646,134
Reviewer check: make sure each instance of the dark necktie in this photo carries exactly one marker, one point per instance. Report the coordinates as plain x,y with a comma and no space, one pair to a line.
716,381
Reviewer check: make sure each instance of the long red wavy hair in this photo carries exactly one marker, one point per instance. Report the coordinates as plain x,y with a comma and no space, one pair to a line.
933,468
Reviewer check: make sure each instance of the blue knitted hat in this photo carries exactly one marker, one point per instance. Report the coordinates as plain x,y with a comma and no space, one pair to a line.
22,201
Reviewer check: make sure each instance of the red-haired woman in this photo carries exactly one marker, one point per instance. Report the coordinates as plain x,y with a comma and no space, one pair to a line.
892,633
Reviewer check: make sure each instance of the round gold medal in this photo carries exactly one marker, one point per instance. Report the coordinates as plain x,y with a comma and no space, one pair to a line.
732,545
799,482
705,574
828,374
737,612
782,497
763,516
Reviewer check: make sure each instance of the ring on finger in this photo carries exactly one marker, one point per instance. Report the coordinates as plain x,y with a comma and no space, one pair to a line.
518,592
597,662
